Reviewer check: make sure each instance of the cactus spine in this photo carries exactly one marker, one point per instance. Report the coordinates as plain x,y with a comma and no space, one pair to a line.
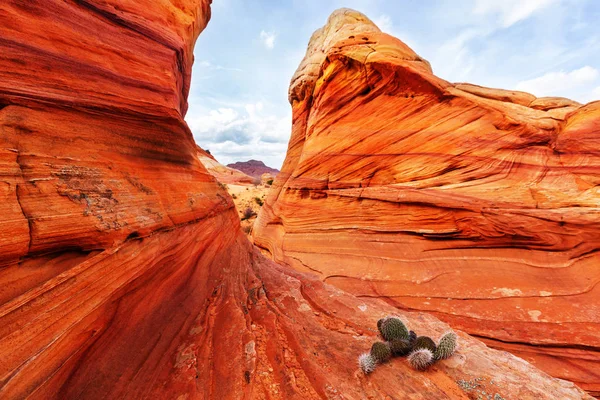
400,347
392,328
425,342
366,363
412,337
446,346
381,352
421,359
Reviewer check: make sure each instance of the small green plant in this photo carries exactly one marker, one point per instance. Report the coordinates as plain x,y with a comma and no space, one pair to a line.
248,213
400,347
270,182
422,351
258,201
420,359
412,337
381,352
425,342
392,328
366,363
446,346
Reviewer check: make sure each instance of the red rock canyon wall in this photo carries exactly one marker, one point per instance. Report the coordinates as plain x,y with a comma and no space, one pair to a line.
123,271
477,205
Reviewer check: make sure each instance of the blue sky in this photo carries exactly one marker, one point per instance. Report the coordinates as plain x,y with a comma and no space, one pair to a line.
248,53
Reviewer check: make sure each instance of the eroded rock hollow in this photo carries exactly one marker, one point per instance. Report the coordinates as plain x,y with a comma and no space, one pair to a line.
123,270
477,205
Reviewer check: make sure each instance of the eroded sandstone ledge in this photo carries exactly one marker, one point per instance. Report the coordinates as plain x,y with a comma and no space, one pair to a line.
123,271
478,205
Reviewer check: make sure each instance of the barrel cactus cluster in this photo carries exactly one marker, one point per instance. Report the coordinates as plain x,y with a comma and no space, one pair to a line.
399,341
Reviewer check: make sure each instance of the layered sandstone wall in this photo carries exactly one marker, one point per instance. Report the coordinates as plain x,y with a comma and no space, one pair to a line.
123,271
480,206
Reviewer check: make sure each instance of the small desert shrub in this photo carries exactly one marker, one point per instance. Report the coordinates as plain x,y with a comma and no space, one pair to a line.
259,201
223,186
233,196
270,182
248,213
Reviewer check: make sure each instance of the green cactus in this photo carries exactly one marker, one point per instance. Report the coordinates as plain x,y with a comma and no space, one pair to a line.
446,346
381,352
420,359
425,342
412,337
367,363
400,347
392,328
379,323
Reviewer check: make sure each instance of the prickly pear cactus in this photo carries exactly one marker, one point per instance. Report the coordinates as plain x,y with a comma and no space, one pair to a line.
425,342
392,328
381,352
400,347
367,363
446,346
412,337
421,359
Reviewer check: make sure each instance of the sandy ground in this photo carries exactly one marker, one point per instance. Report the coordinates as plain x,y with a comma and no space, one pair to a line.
246,197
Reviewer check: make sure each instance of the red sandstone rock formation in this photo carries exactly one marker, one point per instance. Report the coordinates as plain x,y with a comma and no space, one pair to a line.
222,173
267,179
123,271
253,168
477,205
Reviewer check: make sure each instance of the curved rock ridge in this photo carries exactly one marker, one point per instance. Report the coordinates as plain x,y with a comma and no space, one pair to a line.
123,270
222,173
92,96
480,206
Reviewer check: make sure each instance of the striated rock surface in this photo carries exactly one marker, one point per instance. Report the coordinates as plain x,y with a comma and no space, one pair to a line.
123,271
222,173
480,206
253,168
267,179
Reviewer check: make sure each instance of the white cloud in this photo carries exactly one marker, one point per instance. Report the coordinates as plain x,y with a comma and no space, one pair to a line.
241,132
453,60
596,94
268,39
384,22
210,66
561,83
510,12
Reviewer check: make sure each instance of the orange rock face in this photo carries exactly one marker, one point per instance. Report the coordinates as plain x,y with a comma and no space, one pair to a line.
223,173
91,99
123,271
477,205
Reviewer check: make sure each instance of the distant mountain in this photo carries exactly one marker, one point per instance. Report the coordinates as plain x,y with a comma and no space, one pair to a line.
253,168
